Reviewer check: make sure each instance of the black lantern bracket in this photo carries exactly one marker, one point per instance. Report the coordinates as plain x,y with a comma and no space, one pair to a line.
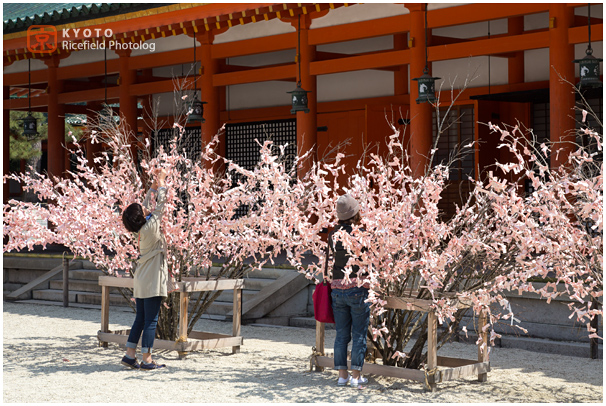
196,111
30,123
426,82
299,95
30,126
299,99
427,91
589,66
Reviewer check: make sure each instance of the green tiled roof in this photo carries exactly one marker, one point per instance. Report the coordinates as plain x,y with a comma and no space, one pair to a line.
19,16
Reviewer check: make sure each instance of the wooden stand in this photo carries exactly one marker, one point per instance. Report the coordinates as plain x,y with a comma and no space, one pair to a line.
197,340
439,369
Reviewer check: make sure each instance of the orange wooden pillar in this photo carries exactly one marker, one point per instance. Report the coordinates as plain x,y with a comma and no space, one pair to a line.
515,64
128,103
420,114
400,82
561,96
6,142
307,123
56,120
209,93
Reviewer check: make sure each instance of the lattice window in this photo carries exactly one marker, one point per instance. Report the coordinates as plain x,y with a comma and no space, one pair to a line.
540,125
190,142
243,149
458,131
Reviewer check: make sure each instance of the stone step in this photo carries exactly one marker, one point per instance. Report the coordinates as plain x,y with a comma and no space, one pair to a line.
228,295
85,274
23,296
75,305
30,263
78,297
77,285
264,273
220,308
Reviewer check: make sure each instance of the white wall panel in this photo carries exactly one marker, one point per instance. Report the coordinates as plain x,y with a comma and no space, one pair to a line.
358,12
536,21
22,66
355,85
455,72
268,58
254,30
359,46
597,10
473,30
536,65
256,95
165,103
175,70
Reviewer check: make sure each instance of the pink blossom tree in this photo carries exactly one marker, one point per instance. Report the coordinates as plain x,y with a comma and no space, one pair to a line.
498,240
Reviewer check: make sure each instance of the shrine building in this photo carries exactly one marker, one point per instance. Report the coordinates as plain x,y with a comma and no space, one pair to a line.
361,67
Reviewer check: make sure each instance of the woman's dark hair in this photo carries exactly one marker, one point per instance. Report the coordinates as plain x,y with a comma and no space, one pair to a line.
133,218
351,220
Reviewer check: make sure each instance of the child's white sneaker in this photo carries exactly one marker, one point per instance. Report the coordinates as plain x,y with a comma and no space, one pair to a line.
344,381
355,383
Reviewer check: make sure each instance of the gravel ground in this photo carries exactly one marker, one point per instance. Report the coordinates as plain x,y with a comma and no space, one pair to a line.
51,354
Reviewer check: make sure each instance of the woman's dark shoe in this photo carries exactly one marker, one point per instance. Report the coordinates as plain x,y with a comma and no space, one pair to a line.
130,362
153,365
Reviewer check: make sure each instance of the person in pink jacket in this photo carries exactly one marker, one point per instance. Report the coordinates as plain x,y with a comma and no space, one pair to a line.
151,274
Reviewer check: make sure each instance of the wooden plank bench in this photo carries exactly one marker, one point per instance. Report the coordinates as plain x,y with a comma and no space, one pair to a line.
439,369
197,340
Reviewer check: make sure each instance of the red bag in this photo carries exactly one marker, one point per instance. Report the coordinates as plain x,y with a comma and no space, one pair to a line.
323,303
322,299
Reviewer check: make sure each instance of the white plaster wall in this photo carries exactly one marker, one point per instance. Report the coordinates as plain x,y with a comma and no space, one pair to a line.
355,85
21,66
256,95
268,58
172,43
176,70
536,21
596,10
165,103
473,30
454,73
254,30
87,56
359,46
536,65
358,12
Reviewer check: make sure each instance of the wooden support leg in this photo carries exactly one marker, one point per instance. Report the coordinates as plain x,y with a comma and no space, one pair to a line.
237,318
483,347
183,305
432,348
104,313
320,335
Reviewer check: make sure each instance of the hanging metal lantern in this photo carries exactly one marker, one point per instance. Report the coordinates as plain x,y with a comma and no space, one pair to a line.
589,70
299,100
105,114
426,88
30,126
197,111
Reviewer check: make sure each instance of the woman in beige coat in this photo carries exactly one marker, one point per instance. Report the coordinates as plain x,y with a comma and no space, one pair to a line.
151,274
